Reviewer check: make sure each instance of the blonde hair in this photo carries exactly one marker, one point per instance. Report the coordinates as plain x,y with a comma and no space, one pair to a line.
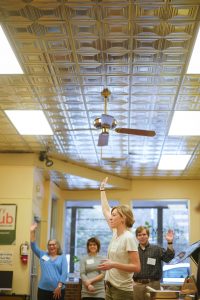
125,211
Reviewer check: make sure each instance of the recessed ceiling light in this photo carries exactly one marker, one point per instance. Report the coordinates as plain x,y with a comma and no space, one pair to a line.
194,64
8,60
29,122
173,162
185,123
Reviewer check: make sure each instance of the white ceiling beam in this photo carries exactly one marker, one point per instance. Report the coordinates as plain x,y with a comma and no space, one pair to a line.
64,168
89,173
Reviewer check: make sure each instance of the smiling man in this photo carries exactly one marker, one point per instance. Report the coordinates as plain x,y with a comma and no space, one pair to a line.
151,257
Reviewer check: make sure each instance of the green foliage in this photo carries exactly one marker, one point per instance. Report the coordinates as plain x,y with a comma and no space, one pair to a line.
147,224
75,259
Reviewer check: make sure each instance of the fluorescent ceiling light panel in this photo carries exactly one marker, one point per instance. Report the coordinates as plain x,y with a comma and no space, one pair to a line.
173,162
8,60
185,123
29,122
194,64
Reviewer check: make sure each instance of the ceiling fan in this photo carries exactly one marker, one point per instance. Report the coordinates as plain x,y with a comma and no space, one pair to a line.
107,122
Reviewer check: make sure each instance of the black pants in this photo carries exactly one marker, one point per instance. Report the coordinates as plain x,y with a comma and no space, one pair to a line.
48,295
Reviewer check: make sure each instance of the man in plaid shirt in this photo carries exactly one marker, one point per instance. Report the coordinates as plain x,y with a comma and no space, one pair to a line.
151,257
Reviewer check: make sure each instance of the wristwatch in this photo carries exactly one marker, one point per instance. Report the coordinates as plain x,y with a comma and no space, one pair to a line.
60,285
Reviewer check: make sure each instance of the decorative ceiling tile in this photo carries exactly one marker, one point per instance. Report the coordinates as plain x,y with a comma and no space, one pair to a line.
71,50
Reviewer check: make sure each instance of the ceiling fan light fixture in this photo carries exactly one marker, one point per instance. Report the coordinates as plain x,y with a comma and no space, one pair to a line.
105,130
107,122
98,124
103,138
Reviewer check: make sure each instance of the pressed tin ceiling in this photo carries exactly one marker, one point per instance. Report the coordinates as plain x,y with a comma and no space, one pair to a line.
71,50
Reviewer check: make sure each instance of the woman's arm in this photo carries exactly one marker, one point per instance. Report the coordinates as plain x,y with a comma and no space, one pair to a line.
83,271
85,281
96,278
93,280
32,232
34,246
88,283
104,201
63,277
133,266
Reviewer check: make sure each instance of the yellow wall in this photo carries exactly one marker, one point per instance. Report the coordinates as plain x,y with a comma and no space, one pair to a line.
16,186
26,187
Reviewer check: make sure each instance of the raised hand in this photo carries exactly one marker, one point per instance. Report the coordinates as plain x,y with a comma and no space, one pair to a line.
103,183
170,235
33,227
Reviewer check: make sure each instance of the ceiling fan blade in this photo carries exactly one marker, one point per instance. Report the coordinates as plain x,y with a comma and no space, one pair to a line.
136,131
103,139
106,120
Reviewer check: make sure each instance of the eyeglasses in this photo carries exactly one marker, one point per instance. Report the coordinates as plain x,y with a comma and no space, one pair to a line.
51,245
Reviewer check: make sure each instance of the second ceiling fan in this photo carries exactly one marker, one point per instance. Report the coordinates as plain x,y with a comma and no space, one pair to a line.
107,122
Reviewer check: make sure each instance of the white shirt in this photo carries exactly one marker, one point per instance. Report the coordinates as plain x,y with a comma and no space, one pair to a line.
118,251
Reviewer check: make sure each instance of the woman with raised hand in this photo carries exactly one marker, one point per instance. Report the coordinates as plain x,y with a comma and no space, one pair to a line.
92,278
53,265
123,259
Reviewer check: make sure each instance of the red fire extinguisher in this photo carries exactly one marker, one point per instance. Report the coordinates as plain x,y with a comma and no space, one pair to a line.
24,252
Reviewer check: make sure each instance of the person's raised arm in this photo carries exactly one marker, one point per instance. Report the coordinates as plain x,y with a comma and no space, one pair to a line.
34,246
170,237
104,201
32,232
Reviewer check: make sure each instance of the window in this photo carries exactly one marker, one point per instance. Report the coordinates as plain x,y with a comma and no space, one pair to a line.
159,216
